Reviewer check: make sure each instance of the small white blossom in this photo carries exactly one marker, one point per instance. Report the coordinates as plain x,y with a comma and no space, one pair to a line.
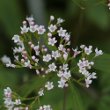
27,64
52,28
52,41
17,102
55,54
45,107
65,56
33,28
41,92
52,18
52,67
61,48
62,83
41,30
88,50
65,67
67,75
49,34
30,19
67,37
76,52
18,50
7,92
24,29
93,75
49,85
60,20
5,59
88,82
82,46
47,58
16,38
98,52
61,32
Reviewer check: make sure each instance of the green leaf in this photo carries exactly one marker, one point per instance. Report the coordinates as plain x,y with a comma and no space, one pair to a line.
77,102
10,16
8,77
97,14
102,63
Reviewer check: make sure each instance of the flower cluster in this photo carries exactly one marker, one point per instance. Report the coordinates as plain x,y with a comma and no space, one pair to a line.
48,52
85,65
11,103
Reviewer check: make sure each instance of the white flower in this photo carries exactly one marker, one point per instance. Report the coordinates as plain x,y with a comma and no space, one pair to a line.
24,29
52,67
17,102
61,32
52,41
33,28
93,75
65,56
88,82
76,52
55,54
36,48
88,50
49,85
7,92
52,18
49,34
27,63
67,37
41,30
60,74
30,19
45,107
82,46
67,75
61,48
9,104
5,59
16,38
37,72
18,50
47,58
41,92
65,67
62,83
60,20
98,52
52,28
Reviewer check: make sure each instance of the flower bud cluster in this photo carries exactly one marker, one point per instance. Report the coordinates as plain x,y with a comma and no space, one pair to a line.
84,64
10,102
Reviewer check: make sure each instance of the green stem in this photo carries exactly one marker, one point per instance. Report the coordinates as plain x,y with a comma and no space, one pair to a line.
78,82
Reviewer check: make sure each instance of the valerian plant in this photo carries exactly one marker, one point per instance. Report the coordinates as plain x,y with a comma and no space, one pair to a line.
48,52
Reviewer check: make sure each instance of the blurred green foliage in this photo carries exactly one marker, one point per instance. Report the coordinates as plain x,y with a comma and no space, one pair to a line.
89,23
